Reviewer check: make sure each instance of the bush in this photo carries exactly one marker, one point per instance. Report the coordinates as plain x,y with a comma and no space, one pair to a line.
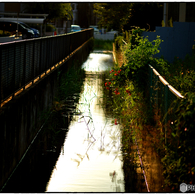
103,44
179,153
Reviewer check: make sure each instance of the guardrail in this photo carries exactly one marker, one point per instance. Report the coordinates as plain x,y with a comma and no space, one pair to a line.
21,62
162,95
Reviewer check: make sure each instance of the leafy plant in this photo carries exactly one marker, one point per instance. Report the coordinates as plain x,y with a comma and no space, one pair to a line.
50,28
177,156
103,44
178,161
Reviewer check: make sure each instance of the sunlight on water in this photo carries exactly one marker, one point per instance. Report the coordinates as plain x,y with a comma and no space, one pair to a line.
90,160
98,62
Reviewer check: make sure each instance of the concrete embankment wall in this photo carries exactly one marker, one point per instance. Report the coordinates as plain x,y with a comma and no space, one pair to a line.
20,117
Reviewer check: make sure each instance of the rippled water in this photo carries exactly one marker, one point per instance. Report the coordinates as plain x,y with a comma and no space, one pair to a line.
90,159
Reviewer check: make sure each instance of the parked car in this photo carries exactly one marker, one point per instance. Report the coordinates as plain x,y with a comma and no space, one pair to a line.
75,28
96,30
36,32
11,27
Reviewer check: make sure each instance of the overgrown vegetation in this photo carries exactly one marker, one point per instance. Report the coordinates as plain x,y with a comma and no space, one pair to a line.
128,84
125,105
103,44
70,83
50,28
121,16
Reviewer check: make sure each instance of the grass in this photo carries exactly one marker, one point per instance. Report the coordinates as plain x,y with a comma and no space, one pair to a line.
103,44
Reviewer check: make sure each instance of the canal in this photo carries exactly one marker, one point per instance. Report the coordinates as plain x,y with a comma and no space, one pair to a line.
90,159
87,156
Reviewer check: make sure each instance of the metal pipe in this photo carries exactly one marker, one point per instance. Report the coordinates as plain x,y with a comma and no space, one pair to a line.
174,91
142,166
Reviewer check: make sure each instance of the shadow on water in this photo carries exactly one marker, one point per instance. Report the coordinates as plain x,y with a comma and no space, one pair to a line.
35,168
33,171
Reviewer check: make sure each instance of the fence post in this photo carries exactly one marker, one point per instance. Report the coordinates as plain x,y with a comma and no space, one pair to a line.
24,67
166,110
157,92
40,57
14,70
33,62
1,93
151,76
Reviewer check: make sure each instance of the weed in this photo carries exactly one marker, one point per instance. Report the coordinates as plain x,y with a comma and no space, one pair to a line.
103,44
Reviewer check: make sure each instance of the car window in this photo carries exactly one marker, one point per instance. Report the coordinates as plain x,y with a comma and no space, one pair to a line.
1,25
7,26
25,25
21,26
12,26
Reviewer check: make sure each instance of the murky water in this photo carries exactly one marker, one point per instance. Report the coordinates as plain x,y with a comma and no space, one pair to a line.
90,158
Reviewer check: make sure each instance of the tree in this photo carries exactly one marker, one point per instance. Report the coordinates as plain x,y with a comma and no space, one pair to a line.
55,10
145,15
112,15
121,16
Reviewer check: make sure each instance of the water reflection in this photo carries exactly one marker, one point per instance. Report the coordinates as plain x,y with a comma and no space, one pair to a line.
90,160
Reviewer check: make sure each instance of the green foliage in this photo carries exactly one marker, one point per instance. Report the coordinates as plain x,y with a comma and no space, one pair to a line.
181,74
170,22
55,10
178,155
121,16
125,103
179,159
112,15
71,82
50,28
118,42
148,10
135,35
138,54
103,44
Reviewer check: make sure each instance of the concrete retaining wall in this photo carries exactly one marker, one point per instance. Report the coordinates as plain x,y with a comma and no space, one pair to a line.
19,118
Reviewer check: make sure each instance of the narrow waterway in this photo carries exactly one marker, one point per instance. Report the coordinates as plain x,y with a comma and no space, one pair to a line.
85,154
90,159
